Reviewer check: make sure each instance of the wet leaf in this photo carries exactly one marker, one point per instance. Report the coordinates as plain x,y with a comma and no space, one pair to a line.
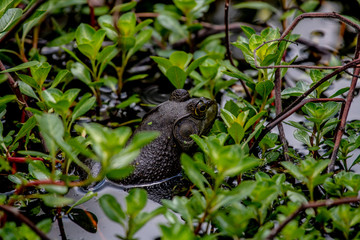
85,219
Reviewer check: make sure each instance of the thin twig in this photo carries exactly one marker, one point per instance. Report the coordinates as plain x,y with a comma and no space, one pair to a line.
278,109
15,88
19,23
321,203
16,214
227,43
349,98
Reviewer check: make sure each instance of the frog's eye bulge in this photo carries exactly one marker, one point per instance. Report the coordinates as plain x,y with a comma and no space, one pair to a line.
183,128
200,108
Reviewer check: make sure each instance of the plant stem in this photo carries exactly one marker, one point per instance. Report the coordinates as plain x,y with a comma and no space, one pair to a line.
16,214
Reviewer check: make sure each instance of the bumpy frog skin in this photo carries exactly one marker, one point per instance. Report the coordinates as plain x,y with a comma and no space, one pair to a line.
176,119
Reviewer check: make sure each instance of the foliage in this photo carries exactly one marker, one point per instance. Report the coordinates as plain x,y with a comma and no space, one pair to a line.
50,122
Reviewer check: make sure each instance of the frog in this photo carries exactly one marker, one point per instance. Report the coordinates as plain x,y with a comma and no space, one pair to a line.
176,120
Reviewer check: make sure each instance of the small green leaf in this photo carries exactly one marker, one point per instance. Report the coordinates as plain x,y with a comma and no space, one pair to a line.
62,76
124,7
56,200
180,59
193,173
6,99
163,63
133,99
126,24
228,117
21,66
26,128
40,72
84,105
177,76
83,199
112,208
249,31
27,90
302,136
135,201
237,132
264,88
38,170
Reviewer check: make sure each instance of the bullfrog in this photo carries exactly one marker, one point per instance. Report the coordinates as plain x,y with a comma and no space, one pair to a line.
175,119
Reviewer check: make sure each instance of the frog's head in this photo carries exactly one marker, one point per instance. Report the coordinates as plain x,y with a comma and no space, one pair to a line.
197,117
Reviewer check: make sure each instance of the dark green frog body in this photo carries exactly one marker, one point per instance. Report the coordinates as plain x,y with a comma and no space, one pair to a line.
175,119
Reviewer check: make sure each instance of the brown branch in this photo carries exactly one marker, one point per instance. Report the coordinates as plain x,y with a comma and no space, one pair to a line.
18,24
349,99
321,203
278,109
15,88
16,214
227,43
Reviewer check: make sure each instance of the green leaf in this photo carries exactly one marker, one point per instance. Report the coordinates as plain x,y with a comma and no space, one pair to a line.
29,80
228,117
33,20
56,200
193,173
38,170
21,66
143,24
254,119
163,63
106,23
6,99
40,72
83,199
112,208
264,88
302,136
126,24
80,72
26,128
294,170
27,90
62,40
196,63
142,38
84,105
62,76
177,76
124,7
180,59
237,132
5,5
84,34
172,24
249,31
51,128
135,201
9,18
133,99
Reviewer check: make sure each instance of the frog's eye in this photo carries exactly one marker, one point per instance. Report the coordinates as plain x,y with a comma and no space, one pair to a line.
200,109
